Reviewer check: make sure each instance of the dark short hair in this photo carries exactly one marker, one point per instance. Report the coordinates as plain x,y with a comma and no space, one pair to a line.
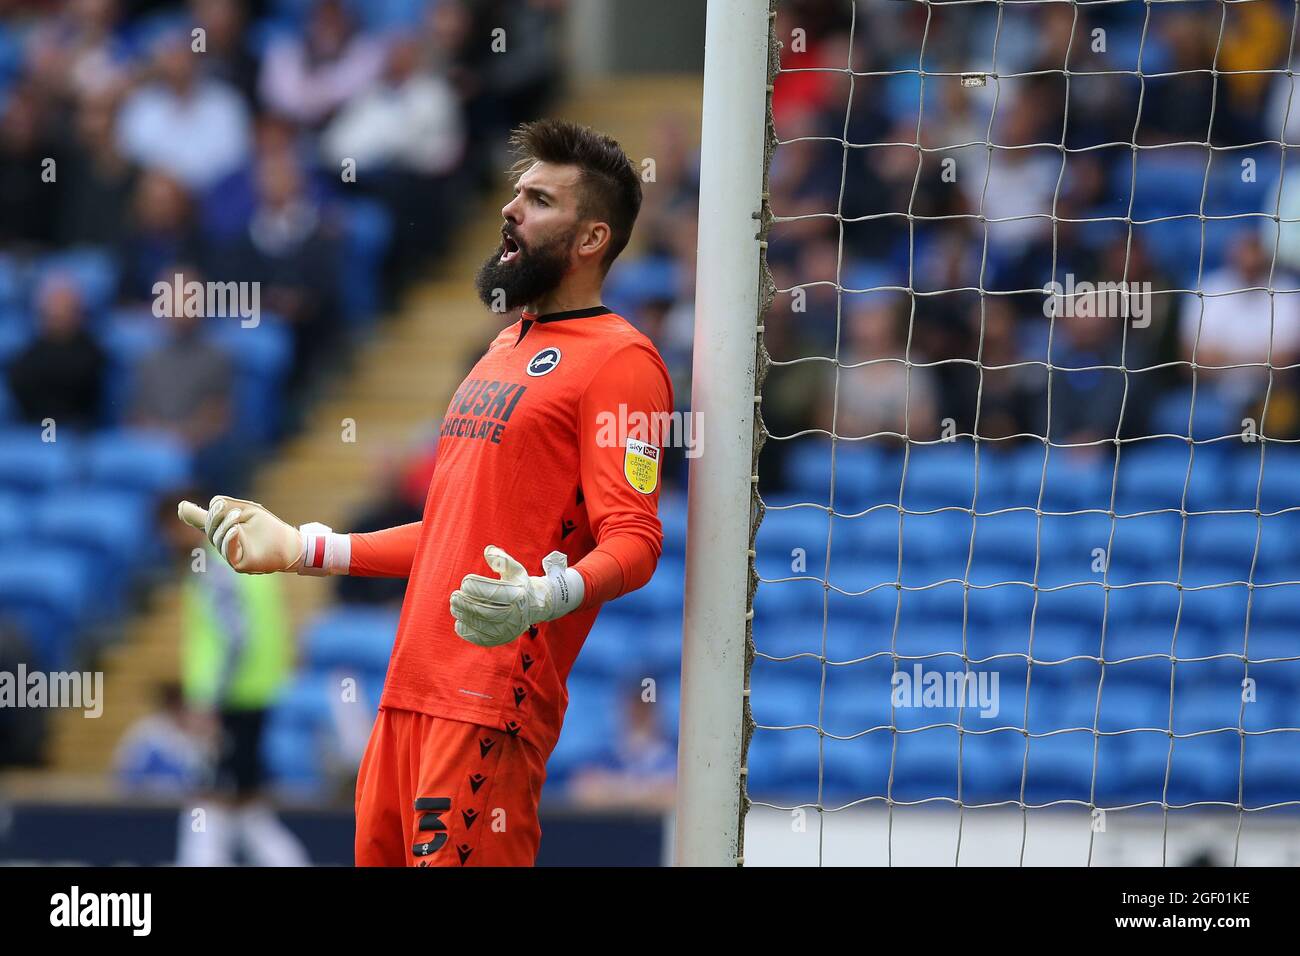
609,189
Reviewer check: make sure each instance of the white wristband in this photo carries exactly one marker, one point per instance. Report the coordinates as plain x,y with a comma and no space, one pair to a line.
569,592
323,551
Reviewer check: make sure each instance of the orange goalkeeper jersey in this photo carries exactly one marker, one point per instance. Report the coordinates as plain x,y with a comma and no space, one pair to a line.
549,444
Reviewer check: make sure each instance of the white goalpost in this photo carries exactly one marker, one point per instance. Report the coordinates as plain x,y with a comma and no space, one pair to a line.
993,550
732,169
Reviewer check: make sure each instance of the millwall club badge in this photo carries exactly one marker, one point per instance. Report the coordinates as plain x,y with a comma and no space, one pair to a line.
641,466
544,361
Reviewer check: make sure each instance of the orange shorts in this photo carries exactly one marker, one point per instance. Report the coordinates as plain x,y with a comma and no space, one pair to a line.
439,792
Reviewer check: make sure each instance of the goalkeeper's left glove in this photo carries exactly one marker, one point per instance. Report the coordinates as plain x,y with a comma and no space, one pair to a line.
494,611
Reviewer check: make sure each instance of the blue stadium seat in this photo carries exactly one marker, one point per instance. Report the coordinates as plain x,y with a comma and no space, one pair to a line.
1010,540
606,652
639,279
1203,768
784,694
1059,767
1145,548
29,464
782,532
15,334
292,757
857,697
591,725
991,766
1277,488
1272,768
1275,606
672,517
1199,708
658,647
368,230
351,637
112,526
872,535
1279,646
772,599
140,460
1279,548
1073,480
1212,418
298,724
940,476
48,590
262,356
925,764
1153,474
865,475
763,761
13,508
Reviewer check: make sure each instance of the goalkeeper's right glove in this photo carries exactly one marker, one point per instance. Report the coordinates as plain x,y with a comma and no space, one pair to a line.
255,541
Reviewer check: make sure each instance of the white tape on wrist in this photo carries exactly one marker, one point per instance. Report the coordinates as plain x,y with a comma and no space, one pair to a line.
323,551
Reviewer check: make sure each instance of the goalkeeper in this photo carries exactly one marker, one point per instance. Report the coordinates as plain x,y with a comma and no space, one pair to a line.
540,509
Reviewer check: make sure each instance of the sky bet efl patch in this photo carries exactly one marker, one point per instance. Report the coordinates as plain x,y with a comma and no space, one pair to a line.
641,466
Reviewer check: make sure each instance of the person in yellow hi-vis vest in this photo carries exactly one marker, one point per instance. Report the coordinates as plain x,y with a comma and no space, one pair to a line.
236,655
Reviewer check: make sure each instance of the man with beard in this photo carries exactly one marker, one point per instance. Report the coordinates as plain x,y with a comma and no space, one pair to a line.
548,459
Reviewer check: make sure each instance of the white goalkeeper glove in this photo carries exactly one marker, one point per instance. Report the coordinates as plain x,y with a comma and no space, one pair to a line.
494,611
255,541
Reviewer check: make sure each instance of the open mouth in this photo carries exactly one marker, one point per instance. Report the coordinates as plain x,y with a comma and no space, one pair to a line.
510,247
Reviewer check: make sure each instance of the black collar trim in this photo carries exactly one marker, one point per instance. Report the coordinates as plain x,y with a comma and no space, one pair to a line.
571,314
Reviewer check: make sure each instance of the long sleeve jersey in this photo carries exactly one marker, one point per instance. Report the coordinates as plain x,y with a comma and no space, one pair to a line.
552,442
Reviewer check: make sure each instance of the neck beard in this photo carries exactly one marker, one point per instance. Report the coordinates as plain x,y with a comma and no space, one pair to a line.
532,274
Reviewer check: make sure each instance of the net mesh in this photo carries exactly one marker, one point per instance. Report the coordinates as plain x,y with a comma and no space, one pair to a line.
1026,524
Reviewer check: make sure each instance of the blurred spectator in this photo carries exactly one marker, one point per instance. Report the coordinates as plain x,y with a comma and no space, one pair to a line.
408,121
407,138
236,654
226,55
1015,182
98,179
1176,107
1006,391
164,753
307,78
27,192
1088,386
78,50
674,188
407,485
193,127
497,91
184,387
60,374
883,395
159,233
1238,322
640,769
291,248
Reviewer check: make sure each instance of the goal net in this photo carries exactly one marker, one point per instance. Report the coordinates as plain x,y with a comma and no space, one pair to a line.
1026,559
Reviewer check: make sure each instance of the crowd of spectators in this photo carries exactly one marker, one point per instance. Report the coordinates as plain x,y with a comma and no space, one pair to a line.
313,156
919,221
233,141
